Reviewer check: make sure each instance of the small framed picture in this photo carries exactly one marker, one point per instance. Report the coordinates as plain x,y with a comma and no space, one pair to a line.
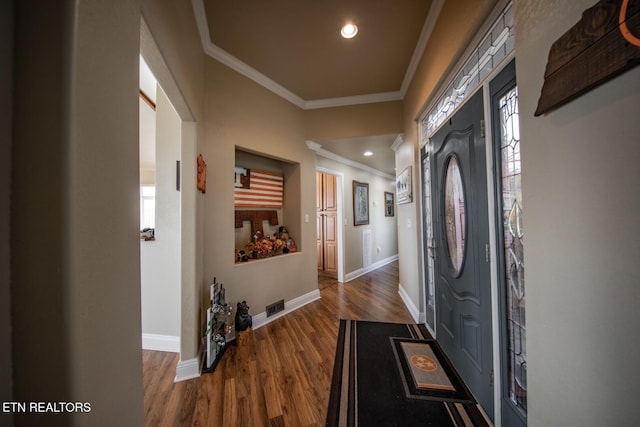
388,204
360,203
403,186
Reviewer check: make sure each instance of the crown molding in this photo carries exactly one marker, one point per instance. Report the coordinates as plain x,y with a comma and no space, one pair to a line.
353,100
398,142
427,29
235,64
333,156
313,145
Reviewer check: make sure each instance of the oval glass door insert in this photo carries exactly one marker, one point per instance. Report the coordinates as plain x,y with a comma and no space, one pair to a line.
454,214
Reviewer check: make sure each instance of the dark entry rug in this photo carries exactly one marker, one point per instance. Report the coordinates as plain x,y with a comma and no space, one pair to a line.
391,374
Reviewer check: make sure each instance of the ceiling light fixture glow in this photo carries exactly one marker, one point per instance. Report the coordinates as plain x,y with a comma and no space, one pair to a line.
368,153
349,31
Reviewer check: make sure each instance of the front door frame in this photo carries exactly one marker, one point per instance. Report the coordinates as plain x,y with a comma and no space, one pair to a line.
494,244
429,121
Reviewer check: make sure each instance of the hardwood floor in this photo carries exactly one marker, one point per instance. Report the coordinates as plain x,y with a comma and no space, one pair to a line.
276,375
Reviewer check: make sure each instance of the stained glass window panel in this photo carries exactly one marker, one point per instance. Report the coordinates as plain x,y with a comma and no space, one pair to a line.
514,248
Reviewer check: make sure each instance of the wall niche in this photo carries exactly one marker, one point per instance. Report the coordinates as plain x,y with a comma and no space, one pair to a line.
267,206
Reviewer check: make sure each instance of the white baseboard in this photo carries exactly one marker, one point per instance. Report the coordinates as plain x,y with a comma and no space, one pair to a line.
187,369
357,273
422,318
261,319
413,310
161,343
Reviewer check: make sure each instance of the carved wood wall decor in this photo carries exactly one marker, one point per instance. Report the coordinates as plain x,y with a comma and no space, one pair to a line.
602,45
256,218
202,174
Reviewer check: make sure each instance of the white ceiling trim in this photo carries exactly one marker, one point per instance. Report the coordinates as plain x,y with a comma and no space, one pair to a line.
398,142
235,64
427,29
354,100
333,156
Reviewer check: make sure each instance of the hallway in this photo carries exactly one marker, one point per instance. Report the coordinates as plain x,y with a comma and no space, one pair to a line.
279,374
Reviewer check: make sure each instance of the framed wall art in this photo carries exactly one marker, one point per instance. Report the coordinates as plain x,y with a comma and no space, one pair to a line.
360,203
404,190
389,204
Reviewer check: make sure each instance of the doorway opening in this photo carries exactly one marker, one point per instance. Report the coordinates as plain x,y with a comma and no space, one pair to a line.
327,224
160,217
329,227
179,165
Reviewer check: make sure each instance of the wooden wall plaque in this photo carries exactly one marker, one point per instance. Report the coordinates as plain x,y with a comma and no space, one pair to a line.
602,45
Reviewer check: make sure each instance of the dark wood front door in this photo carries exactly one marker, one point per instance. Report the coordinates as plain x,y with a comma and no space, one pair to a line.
462,269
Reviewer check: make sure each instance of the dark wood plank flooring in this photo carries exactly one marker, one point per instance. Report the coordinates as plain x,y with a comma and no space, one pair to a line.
276,375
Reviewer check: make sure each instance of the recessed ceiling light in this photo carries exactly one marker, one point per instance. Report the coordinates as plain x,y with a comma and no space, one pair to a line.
368,153
349,31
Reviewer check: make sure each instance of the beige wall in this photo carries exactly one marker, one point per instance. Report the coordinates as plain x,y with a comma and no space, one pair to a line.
580,180
172,26
410,229
241,113
75,292
75,253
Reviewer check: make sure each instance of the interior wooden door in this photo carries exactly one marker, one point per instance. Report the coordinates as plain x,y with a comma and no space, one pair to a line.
327,223
319,220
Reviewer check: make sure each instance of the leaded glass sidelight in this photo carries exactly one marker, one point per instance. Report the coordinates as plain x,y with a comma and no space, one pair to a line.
430,240
454,214
513,248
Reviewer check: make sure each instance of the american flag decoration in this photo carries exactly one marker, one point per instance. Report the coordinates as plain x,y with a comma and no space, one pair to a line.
258,189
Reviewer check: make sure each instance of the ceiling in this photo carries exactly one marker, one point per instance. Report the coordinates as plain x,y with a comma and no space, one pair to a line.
353,149
294,48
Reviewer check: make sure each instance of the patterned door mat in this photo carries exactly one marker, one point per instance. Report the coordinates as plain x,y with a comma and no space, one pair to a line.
426,372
